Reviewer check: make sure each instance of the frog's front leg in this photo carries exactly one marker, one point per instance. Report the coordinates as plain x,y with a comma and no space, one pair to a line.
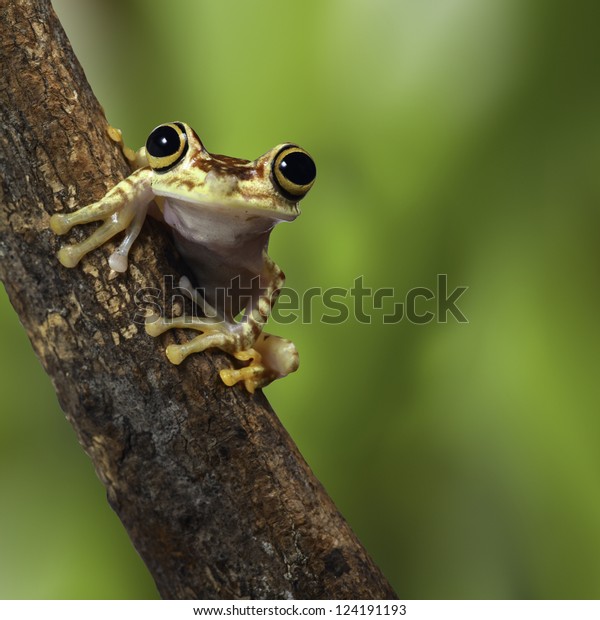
123,207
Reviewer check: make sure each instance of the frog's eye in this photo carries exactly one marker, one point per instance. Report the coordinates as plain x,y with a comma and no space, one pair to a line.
166,146
294,172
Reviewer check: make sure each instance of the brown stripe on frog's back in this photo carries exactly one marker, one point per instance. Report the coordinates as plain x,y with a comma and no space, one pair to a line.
240,168
226,160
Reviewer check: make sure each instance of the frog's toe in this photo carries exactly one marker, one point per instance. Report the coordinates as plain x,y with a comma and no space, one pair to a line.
251,376
118,262
155,325
116,135
251,355
229,376
69,255
59,224
176,353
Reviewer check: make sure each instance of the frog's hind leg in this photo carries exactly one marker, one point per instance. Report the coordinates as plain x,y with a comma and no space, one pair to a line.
271,358
214,334
196,296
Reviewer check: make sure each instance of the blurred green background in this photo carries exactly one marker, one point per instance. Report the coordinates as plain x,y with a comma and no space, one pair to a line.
451,136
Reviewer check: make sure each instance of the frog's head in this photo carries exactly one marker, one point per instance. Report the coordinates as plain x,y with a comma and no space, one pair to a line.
269,187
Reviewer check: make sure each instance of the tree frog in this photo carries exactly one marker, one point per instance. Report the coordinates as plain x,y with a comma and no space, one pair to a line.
221,211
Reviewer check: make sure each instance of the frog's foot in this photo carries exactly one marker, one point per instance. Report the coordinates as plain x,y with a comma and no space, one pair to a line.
70,255
271,358
215,334
252,375
124,207
211,338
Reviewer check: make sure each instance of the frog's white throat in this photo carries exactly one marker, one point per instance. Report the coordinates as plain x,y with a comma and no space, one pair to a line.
216,225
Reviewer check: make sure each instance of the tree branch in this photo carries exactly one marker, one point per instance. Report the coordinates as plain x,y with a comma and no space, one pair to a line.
211,489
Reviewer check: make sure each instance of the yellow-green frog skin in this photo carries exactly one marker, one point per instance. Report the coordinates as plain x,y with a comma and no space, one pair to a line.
221,210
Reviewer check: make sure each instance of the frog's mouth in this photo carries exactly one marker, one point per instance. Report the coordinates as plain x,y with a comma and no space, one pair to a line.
236,208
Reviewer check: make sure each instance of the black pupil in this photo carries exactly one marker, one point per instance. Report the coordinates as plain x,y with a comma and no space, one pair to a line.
298,168
163,142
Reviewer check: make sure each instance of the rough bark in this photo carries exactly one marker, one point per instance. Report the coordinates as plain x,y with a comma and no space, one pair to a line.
211,489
